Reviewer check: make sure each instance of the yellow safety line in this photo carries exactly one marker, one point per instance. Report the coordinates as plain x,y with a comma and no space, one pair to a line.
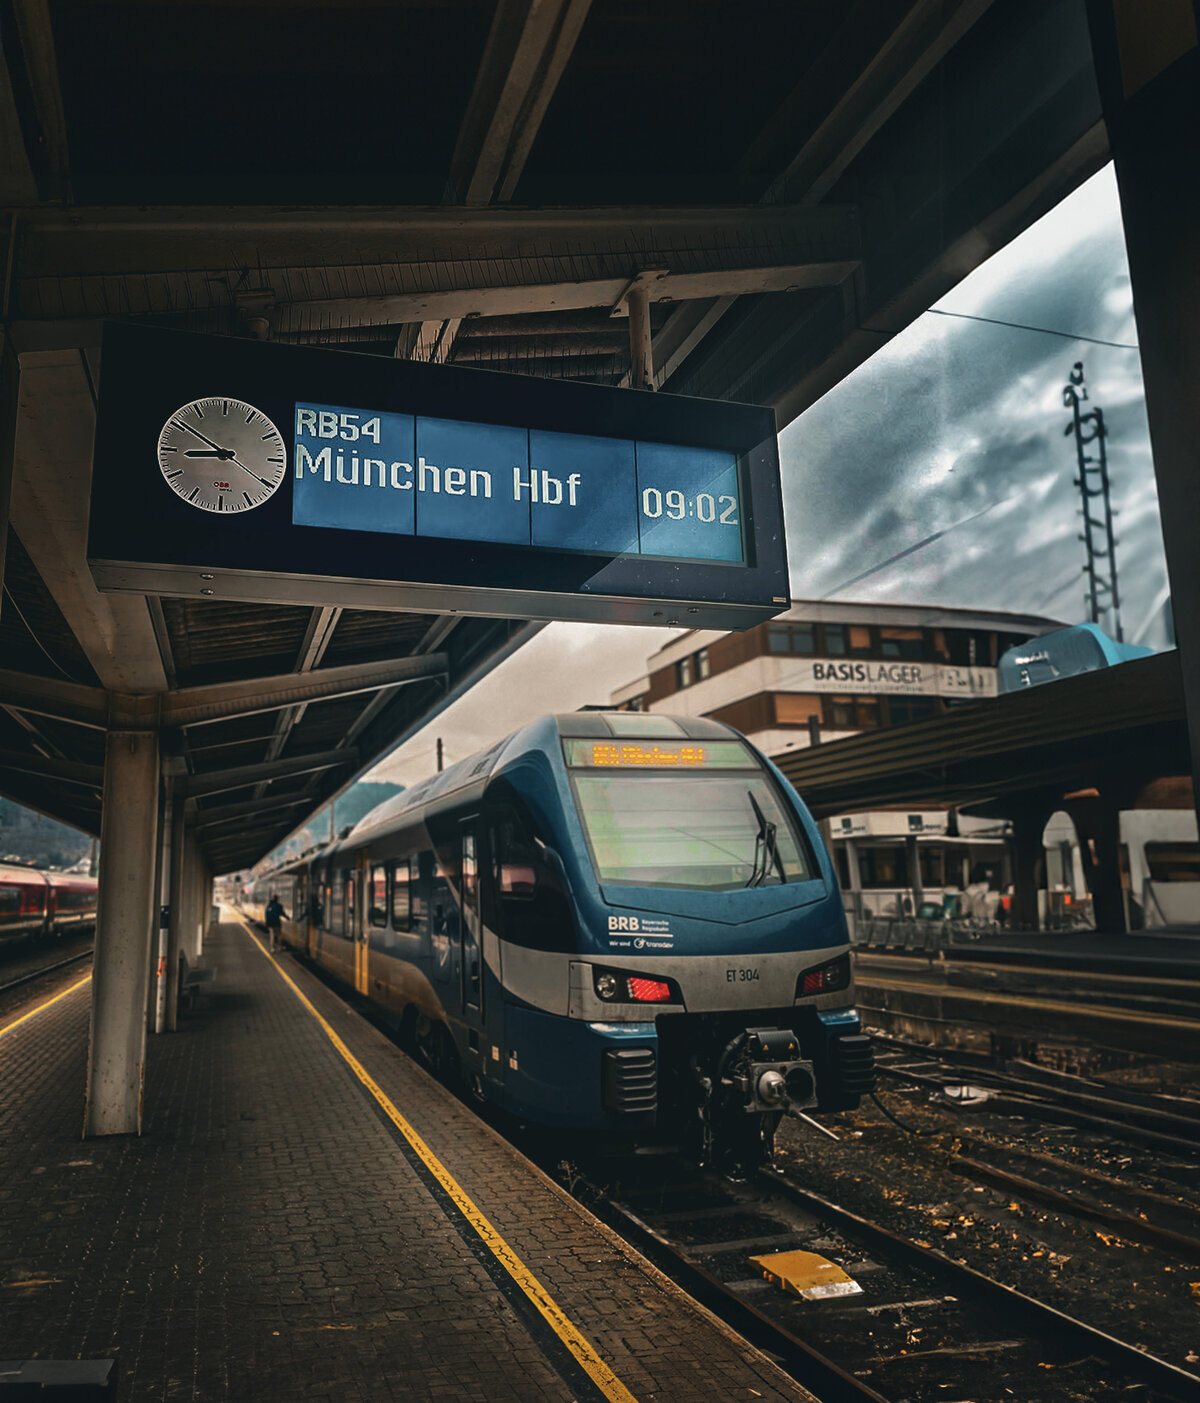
984,996
41,1008
581,1349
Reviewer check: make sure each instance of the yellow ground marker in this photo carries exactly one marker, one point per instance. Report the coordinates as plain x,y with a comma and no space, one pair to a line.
581,1349
807,1274
41,1008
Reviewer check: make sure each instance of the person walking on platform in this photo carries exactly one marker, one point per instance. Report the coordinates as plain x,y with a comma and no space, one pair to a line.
273,916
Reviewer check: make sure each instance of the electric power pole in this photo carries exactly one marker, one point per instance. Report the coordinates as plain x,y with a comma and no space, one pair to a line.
1097,536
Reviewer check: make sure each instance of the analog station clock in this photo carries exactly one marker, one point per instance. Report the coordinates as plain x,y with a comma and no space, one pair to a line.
221,455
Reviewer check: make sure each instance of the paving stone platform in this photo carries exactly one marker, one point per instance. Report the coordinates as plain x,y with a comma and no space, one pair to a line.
270,1237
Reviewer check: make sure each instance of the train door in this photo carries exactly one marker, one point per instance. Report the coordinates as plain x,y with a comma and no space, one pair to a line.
357,927
471,935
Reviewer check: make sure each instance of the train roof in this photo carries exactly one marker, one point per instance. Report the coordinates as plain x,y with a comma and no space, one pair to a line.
536,735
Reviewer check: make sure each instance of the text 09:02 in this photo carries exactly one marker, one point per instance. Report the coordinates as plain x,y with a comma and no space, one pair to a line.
704,506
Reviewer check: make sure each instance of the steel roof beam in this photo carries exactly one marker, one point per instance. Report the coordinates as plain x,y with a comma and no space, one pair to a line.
243,776
317,637
526,52
252,810
41,72
918,44
49,696
52,468
192,706
47,767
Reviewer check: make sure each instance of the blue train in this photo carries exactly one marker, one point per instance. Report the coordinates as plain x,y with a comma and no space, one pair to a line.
609,921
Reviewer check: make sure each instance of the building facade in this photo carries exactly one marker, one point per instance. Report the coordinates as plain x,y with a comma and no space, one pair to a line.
824,671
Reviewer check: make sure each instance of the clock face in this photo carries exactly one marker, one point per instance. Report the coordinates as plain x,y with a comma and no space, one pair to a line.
221,455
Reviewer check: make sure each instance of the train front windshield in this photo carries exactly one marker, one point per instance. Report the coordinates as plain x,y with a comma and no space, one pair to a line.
694,816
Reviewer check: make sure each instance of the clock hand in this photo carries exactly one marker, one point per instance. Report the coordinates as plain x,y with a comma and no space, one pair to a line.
196,433
208,453
245,469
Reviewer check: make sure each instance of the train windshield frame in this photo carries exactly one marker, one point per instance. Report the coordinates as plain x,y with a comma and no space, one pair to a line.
699,826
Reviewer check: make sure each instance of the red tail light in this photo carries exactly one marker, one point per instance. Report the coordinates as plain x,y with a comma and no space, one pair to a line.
649,991
825,978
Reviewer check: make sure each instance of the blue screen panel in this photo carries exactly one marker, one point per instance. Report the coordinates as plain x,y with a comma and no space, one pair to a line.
587,493
690,507
354,469
472,481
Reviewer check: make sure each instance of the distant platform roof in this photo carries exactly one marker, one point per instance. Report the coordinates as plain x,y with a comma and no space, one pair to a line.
1123,726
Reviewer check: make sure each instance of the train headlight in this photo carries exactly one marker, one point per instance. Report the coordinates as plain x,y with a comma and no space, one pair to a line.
607,986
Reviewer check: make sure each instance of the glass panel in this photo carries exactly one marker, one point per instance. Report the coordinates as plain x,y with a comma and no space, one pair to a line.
860,639
702,668
642,725
379,902
1173,862
804,638
779,640
792,709
835,639
691,831
401,895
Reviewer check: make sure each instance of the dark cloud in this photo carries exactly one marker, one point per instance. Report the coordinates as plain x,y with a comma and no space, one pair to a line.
954,416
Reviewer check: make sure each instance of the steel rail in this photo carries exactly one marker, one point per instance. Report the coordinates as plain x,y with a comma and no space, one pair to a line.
44,970
808,1366
1148,1367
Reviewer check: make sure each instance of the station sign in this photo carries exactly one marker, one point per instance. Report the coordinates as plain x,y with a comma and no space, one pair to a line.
270,473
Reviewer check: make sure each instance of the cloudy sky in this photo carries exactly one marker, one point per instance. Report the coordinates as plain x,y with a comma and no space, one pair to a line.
954,427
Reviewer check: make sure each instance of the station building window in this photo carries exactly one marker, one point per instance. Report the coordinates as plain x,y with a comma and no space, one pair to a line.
852,713
683,672
902,709
703,669
378,905
794,709
792,638
883,867
860,641
402,894
902,643
835,640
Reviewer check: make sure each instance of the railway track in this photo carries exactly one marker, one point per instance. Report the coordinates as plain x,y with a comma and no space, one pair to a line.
39,971
913,1324
1022,1088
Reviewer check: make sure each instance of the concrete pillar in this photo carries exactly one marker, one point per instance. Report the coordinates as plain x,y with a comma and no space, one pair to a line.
178,913
129,827
1098,823
197,913
1029,854
913,858
10,377
156,1004
1148,68
856,894
641,372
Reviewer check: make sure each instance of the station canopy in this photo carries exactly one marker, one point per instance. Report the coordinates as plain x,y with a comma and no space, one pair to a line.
475,183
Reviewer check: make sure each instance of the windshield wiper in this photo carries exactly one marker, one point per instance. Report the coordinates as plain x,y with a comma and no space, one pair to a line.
765,846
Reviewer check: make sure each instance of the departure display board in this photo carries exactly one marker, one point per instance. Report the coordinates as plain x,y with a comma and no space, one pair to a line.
246,470
416,476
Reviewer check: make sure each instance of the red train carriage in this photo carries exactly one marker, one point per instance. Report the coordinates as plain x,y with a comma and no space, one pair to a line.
36,903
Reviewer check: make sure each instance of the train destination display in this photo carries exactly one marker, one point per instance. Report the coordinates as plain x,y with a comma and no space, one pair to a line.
416,476
246,470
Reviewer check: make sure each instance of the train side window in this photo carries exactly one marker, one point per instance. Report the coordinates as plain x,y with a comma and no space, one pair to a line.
377,907
351,895
528,883
337,912
10,900
401,895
